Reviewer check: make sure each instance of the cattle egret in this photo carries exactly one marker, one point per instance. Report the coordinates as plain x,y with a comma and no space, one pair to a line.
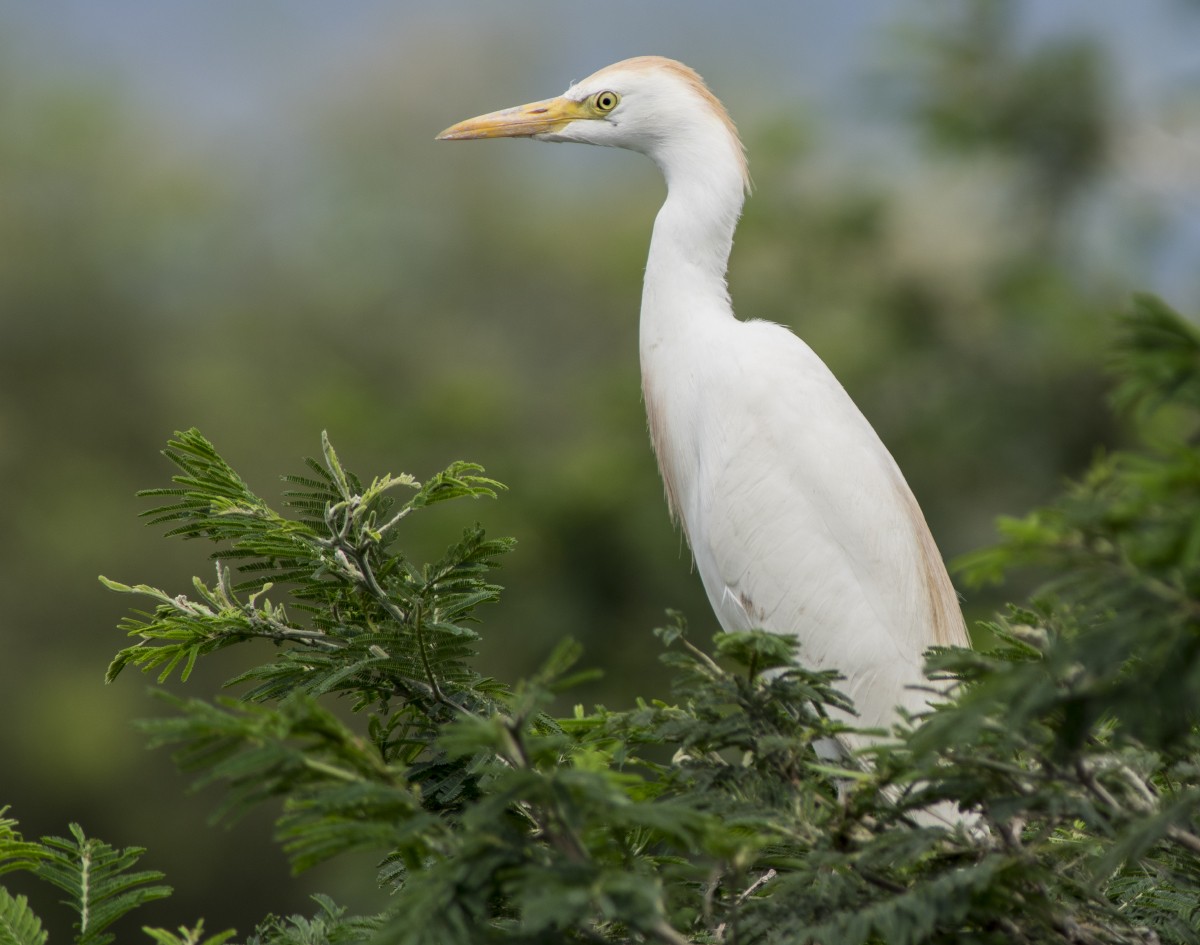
799,520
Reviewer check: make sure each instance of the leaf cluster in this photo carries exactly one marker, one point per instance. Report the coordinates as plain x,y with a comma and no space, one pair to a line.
99,882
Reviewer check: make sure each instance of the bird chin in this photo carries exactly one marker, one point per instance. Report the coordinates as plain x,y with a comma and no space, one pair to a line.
557,136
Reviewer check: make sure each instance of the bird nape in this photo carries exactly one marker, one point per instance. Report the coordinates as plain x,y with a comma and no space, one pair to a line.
799,519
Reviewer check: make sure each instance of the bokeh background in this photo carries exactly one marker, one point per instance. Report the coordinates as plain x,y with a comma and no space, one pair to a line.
233,215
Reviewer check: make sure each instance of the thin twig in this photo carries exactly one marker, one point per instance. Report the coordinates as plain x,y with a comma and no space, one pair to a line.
397,613
419,626
745,894
368,576
1088,779
702,657
281,632
1185,838
393,521
1144,790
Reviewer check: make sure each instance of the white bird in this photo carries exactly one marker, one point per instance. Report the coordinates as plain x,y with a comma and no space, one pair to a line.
799,520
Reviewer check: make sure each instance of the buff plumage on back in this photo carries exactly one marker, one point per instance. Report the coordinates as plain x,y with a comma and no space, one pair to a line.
947,623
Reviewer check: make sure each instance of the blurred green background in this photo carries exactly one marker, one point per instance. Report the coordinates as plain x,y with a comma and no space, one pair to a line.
234,216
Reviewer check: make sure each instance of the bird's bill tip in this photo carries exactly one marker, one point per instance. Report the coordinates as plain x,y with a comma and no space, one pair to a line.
523,121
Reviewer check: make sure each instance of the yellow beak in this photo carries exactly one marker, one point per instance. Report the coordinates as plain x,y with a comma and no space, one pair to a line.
523,121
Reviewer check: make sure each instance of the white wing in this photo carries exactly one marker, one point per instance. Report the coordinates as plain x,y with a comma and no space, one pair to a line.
801,522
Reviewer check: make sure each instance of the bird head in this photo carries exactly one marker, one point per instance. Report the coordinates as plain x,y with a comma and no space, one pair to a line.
650,104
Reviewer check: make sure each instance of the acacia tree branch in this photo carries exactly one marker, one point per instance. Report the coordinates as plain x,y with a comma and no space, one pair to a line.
745,894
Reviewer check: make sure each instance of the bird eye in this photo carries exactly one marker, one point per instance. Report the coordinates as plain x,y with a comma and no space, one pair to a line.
605,101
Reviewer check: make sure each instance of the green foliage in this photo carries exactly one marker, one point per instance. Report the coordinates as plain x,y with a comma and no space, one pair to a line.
330,926
188,936
357,597
100,883
1097,679
18,924
1122,547
16,853
716,814
1159,361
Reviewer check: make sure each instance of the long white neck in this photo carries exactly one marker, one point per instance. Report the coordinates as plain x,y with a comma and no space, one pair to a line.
693,233
685,288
